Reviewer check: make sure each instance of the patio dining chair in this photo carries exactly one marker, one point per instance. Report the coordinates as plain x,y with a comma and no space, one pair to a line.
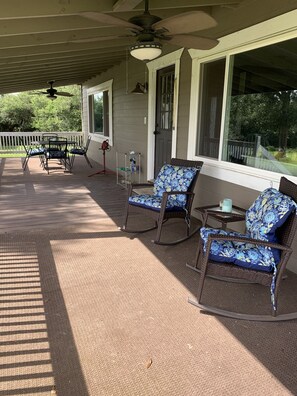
172,197
80,151
259,256
57,150
31,151
49,135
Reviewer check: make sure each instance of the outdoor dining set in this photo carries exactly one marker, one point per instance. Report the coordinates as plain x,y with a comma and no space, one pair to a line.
53,147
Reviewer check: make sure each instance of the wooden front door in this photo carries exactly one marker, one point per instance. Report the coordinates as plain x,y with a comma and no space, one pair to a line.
164,117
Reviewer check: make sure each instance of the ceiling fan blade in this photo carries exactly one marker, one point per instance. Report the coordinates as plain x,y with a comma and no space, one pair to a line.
108,19
194,42
63,93
95,39
186,22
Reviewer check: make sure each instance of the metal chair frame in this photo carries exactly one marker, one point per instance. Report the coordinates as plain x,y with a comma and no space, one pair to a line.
57,149
84,150
32,151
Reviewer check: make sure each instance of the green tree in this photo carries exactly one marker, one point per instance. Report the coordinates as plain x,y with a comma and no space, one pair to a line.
16,113
61,114
28,111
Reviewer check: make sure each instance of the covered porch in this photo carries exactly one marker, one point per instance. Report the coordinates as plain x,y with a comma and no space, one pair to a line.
88,311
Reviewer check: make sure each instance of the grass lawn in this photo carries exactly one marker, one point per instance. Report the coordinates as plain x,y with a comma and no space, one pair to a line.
12,155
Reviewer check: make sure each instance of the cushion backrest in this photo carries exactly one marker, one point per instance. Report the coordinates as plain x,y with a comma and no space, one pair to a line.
174,178
269,212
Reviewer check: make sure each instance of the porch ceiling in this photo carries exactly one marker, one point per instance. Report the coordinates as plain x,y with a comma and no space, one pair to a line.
43,40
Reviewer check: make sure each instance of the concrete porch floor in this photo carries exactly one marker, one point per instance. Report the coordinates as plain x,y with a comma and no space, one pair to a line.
87,311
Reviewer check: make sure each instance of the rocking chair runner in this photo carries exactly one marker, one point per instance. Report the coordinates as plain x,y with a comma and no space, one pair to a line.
259,256
172,198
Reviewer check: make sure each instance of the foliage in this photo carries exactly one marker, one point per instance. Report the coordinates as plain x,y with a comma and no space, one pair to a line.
16,114
272,116
27,112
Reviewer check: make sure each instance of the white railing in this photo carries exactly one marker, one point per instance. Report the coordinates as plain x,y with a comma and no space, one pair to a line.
10,141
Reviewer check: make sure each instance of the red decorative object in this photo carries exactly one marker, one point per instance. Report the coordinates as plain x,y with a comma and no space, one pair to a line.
104,147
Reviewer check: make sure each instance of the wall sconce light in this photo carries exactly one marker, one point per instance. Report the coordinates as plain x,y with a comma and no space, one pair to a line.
146,50
140,88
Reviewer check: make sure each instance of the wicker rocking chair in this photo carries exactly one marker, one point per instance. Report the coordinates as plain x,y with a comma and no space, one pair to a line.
260,256
172,198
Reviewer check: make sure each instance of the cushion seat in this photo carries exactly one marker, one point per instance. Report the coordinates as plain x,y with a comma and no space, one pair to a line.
56,154
36,151
243,254
78,151
153,202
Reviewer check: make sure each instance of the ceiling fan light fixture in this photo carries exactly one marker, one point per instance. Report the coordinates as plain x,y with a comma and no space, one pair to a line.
146,51
51,97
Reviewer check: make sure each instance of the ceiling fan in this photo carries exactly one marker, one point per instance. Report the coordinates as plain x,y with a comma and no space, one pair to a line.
52,93
150,29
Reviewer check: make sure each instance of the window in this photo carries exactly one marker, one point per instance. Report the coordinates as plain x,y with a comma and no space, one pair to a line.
260,127
212,85
100,114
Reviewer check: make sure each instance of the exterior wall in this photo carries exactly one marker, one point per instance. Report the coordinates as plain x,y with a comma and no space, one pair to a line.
129,111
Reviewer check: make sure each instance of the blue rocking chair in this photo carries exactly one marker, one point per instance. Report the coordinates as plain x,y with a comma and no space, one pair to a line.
259,256
173,194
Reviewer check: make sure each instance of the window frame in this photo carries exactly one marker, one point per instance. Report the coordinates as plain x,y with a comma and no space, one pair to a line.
275,30
97,136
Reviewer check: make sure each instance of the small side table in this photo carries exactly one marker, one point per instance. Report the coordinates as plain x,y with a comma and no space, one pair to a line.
216,213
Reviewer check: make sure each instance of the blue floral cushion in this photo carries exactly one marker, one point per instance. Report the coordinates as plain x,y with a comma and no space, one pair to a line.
152,201
170,178
269,211
174,178
243,254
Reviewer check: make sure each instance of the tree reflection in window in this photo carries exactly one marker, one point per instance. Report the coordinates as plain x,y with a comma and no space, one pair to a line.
261,127
100,117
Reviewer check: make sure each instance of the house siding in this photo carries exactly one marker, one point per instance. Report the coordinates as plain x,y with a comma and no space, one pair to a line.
129,111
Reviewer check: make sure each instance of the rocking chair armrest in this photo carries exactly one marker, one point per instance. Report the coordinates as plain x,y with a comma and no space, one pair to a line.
134,186
142,185
245,239
211,238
